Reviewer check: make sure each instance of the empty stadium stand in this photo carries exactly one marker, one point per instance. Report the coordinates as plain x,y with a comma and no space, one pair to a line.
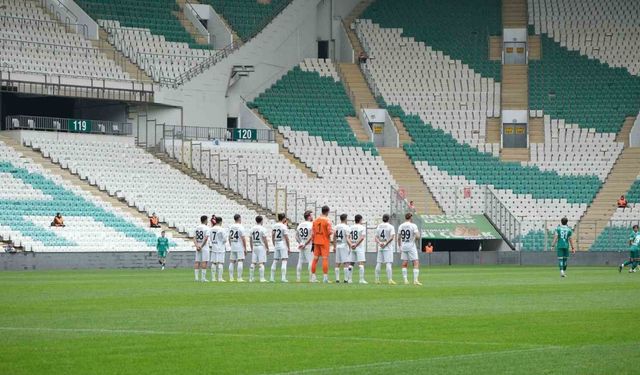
31,196
247,17
32,42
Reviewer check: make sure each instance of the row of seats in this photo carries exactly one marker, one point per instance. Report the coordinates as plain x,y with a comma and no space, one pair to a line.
607,31
460,29
247,17
142,180
30,41
307,101
581,90
31,196
459,106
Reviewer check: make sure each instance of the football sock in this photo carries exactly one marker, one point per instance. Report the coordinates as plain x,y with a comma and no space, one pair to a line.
416,273
261,268
240,269
560,264
337,269
564,263
314,265
361,267
325,265
252,269
274,265
404,274
283,270
389,271
204,273
350,273
627,263
231,269
377,272
220,271
299,270
195,271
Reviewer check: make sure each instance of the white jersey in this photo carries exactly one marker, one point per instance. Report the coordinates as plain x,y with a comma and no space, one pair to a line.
217,239
384,232
257,232
407,235
237,234
278,231
304,233
201,233
340,234
358,232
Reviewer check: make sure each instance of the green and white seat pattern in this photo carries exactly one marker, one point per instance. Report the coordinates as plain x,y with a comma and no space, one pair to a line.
615,237
30,198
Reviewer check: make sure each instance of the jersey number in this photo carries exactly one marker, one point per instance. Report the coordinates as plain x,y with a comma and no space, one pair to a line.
278,233
354,236
405,235
340,235
234,235
383,236
304,232
199,235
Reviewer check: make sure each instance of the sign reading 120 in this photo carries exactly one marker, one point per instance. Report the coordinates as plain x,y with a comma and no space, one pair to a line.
245,134
79,126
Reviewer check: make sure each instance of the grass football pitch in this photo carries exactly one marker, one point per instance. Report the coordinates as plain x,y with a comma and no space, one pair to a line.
476,319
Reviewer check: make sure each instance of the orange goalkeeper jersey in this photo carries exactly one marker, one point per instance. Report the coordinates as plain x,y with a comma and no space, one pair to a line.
321,231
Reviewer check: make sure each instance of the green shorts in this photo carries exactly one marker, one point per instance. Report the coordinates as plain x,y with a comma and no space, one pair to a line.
162,254
633,254
562,253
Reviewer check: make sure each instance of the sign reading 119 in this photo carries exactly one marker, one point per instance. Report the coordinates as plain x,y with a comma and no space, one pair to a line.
79,126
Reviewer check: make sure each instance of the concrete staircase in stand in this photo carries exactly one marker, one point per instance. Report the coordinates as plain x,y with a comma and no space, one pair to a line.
622,176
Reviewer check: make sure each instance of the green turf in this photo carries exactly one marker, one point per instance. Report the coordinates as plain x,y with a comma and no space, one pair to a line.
481,320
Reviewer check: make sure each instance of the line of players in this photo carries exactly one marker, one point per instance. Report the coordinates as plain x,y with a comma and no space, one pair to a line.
348,243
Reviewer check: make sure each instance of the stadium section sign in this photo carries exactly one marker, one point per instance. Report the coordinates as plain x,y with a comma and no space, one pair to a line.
458,227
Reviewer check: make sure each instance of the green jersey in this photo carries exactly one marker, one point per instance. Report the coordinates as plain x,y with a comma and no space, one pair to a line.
634,238
163,244
564,233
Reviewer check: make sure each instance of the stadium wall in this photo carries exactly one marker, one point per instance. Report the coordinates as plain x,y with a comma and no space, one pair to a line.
44,261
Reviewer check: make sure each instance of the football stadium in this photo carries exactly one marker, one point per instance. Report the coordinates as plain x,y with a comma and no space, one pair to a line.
319,186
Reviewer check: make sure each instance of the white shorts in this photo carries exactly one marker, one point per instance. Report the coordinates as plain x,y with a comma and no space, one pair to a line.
409,255
217,257
202,255
236,255
259,255
358,255
342,254
385,256
280,253
306,256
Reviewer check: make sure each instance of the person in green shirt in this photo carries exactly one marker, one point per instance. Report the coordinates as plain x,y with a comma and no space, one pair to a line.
163,248
634,256
562,241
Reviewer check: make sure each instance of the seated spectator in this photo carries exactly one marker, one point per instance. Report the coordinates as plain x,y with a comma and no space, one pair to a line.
622,202
362,57
428,248
58,221
153,221
412,206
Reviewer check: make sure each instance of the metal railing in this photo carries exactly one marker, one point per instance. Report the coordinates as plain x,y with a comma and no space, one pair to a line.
399,207
57,124
503,219
80,28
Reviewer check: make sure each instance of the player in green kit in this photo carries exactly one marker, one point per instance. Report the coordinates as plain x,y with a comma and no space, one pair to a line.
562,241
162,246
634,256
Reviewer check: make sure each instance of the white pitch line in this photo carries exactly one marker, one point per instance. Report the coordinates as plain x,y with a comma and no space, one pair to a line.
254,335
419,360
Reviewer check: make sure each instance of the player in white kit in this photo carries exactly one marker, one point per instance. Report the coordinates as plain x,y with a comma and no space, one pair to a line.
238,247
259,248
341,248
408,235
303,236
202,248
280,239
357,235
217,241
385,234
